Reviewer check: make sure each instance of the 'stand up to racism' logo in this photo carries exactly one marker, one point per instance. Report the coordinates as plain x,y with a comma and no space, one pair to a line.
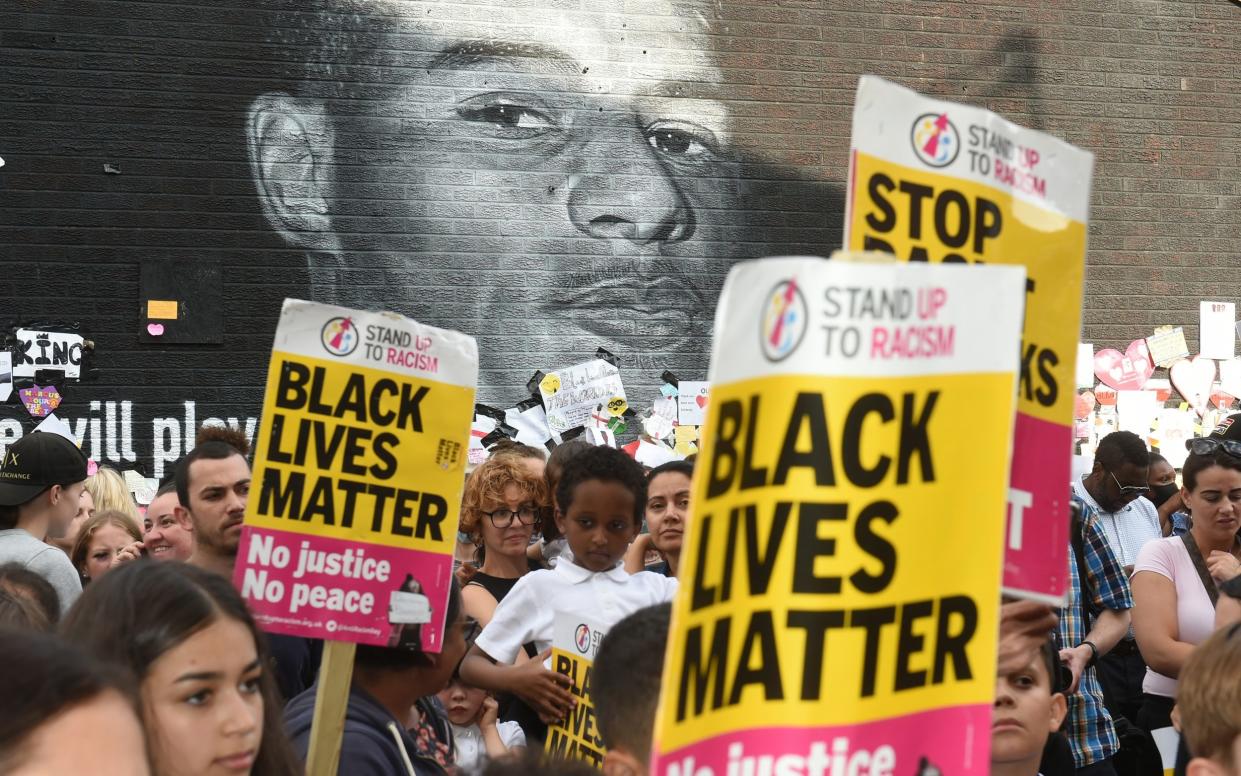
339,336
935,139
581,637
784,320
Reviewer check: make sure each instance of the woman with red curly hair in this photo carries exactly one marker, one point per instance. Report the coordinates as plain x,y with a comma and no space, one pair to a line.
503,503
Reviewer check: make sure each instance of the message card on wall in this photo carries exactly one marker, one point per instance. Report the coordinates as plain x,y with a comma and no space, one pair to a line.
1217,333
358,470
692,402
937,181
834,458
577,395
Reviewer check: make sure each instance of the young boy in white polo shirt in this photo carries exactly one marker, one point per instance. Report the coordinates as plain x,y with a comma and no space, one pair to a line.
601,497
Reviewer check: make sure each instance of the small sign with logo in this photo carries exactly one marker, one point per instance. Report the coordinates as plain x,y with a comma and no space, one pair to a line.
853,451
358,470
937,181
575,642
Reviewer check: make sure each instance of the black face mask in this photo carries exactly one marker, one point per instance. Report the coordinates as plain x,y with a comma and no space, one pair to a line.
1162,493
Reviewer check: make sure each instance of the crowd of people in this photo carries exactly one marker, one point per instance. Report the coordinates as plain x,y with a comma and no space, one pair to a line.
114,614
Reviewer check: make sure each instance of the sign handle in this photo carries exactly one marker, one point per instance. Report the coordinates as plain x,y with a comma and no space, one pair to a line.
331,700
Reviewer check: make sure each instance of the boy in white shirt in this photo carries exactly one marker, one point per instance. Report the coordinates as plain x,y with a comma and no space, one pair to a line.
601,497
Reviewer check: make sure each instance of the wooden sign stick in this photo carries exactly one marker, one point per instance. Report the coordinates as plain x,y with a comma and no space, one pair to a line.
331,700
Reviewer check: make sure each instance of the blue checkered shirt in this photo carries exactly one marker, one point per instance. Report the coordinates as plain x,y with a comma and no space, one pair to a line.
1089,726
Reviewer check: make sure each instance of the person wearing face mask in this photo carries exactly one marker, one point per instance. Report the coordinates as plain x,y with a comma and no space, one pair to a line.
1165,494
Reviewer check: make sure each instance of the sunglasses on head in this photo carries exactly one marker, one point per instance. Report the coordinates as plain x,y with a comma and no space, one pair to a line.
1207,446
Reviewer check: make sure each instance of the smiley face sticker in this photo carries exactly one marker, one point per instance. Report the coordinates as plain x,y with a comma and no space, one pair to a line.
617,406
550,384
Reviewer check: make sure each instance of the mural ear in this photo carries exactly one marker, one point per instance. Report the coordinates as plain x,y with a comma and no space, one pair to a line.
290,145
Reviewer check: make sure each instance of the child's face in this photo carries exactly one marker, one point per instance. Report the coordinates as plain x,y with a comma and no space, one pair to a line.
462,702
600,524
1025,713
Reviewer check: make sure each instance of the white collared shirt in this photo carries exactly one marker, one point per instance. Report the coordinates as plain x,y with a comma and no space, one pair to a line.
528,612
470,754
1128,529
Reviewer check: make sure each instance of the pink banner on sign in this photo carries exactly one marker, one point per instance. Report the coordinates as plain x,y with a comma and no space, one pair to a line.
953,740
320,588
1036,558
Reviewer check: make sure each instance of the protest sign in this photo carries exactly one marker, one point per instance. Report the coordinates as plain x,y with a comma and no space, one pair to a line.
37,350
938,181
583,395
857,444
575,642
358,471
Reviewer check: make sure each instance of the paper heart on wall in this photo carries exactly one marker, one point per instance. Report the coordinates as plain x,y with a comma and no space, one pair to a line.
1193,380
1084,405
1126,371
1105,396
40,401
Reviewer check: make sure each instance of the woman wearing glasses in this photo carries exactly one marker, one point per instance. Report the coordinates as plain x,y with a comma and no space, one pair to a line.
500,512
1175,579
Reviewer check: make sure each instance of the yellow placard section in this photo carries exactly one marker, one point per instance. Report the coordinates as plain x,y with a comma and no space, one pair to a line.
923,216
162,309
359,454
843,561
577,736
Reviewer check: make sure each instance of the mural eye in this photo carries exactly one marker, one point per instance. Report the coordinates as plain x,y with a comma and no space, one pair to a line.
681,139
508,119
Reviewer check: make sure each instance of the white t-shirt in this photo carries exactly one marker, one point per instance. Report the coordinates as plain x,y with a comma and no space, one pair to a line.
1195,616
470,753
528,612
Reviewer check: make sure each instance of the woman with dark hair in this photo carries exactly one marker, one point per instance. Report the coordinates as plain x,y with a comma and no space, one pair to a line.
1175,579
61,711
208,696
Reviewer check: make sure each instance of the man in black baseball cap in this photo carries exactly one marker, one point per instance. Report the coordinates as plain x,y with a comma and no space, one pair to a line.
42,476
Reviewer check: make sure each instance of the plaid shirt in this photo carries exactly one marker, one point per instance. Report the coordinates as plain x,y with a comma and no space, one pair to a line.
1089,726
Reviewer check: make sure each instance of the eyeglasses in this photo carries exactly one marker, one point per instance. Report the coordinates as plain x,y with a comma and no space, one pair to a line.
1206,446
503,518
1128,490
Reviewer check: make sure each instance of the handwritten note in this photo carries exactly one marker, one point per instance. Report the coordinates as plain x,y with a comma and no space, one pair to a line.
692,403
1217,335
36,350
1167,345
581,391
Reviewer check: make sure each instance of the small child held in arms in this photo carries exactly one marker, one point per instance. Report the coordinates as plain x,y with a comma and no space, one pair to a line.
601,497
478,735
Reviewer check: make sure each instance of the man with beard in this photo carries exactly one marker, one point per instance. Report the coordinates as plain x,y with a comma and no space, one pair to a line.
546,179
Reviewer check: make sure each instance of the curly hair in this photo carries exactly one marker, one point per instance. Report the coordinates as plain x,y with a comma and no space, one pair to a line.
484,491
607,465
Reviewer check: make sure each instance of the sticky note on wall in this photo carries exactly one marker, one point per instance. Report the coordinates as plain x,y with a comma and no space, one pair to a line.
162,309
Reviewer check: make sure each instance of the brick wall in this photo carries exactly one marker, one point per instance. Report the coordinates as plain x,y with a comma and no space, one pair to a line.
375,173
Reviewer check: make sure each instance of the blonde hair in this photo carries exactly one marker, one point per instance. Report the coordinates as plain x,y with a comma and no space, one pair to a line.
81,547
1209,696
484,491
107,487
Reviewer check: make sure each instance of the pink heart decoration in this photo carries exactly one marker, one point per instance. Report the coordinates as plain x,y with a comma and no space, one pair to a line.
701,399
40,402
1085,403
155,329
1193,380
1105,396
1126,371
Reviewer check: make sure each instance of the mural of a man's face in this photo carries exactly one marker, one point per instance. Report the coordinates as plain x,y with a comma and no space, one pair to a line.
550,181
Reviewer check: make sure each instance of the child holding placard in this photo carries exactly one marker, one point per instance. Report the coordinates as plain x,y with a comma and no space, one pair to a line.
601,496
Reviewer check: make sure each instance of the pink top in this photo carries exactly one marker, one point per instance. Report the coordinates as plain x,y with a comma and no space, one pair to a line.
1195,617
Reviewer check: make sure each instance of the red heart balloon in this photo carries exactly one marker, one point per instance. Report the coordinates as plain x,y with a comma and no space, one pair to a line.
1125,372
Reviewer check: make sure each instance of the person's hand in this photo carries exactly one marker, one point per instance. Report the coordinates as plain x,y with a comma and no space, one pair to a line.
488,713
128,553
1076,659
1173,505
1223,566
547,692
1024,627
464,573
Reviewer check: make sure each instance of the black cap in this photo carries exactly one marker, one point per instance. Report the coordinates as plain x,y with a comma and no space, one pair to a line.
35,463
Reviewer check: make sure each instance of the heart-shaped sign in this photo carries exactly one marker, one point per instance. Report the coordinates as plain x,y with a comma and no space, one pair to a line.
1126,371
155,329
1220,398
1084,406
1105,396
1193,379
40,401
